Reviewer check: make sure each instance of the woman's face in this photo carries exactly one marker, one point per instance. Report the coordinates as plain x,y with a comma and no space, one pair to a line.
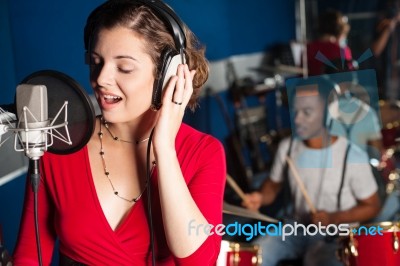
121,74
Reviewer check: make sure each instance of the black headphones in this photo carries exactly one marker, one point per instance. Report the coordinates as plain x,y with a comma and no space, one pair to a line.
169,58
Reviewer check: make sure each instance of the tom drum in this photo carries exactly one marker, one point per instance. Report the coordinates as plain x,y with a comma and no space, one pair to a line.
239,254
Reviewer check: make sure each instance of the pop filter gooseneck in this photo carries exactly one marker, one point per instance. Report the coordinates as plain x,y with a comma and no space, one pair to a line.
81,114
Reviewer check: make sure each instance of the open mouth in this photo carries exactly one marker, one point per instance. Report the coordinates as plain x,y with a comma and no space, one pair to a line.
112,99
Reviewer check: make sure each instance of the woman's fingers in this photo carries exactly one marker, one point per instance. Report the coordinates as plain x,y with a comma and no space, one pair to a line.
178,95
180,87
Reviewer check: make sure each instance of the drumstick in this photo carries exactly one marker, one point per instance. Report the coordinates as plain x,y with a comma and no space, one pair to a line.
300,183
236,187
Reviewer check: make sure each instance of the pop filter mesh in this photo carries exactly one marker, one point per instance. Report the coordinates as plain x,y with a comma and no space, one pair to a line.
80,115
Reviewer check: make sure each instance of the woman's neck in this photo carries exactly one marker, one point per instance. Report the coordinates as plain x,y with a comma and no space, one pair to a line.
134,130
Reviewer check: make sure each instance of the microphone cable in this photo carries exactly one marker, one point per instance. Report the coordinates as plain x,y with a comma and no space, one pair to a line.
35,180
149,209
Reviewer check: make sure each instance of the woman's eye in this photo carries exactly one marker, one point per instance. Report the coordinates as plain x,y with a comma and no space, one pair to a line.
125,71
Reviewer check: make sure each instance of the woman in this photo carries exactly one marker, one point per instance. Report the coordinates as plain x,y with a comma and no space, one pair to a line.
95,200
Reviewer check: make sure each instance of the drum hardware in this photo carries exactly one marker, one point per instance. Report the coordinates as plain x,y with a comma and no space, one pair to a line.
352,248
239,254
393,182
279,68
390,114
395,241
236,254
389,168
243,212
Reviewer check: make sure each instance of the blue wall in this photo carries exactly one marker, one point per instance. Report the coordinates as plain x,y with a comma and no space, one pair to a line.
7,67
45,34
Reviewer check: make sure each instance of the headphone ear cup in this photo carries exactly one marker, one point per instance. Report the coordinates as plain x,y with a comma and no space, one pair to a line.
168,67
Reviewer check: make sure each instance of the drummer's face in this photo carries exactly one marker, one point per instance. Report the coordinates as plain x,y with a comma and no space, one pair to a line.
309,115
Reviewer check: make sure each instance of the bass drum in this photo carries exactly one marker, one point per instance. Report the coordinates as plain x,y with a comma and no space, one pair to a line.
239,254
368,248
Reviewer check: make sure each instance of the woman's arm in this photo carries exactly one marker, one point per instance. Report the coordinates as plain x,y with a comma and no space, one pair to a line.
201,202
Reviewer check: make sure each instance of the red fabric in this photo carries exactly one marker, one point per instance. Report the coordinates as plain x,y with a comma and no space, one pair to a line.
330,50
69,208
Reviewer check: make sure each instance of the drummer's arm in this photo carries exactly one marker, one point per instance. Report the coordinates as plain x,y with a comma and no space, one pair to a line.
377,145
365,210
269,191
266,195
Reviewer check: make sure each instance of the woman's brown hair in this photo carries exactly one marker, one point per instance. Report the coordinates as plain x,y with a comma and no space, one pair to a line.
141,19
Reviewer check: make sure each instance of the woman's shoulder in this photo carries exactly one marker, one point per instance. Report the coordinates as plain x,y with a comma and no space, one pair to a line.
191,137
189,133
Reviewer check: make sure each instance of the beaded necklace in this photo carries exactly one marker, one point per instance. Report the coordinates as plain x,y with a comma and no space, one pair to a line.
107,173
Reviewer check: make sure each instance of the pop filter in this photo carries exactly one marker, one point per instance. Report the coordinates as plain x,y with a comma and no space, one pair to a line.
80,115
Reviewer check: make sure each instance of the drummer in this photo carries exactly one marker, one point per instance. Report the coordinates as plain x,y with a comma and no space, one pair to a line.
319,161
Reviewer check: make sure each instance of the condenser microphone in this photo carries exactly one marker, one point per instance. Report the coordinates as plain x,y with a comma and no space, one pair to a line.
33,123
51,112
78,115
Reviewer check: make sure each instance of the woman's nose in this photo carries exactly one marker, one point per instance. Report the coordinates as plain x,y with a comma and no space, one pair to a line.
103,75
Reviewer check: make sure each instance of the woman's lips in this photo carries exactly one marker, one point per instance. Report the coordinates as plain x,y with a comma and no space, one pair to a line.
108,100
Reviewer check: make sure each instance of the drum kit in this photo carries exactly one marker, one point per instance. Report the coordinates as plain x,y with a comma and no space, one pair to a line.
359,247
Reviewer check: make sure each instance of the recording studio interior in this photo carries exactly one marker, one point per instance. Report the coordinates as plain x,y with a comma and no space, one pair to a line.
254,48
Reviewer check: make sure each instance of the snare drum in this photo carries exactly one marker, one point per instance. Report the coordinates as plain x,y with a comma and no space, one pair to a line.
239,254
372,250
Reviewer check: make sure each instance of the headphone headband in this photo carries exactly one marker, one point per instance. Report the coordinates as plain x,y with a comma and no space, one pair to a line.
171,20
164,12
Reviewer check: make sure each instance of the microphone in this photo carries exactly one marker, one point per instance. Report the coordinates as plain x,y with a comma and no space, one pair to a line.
79,113
52,112
34,131
40,100
33,123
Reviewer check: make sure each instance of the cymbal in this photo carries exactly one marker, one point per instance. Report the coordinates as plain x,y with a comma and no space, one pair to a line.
239,211
279,69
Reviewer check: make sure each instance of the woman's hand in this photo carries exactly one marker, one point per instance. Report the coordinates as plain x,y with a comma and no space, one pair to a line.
175,99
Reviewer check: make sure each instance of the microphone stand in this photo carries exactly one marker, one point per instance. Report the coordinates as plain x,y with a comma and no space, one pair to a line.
35,181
